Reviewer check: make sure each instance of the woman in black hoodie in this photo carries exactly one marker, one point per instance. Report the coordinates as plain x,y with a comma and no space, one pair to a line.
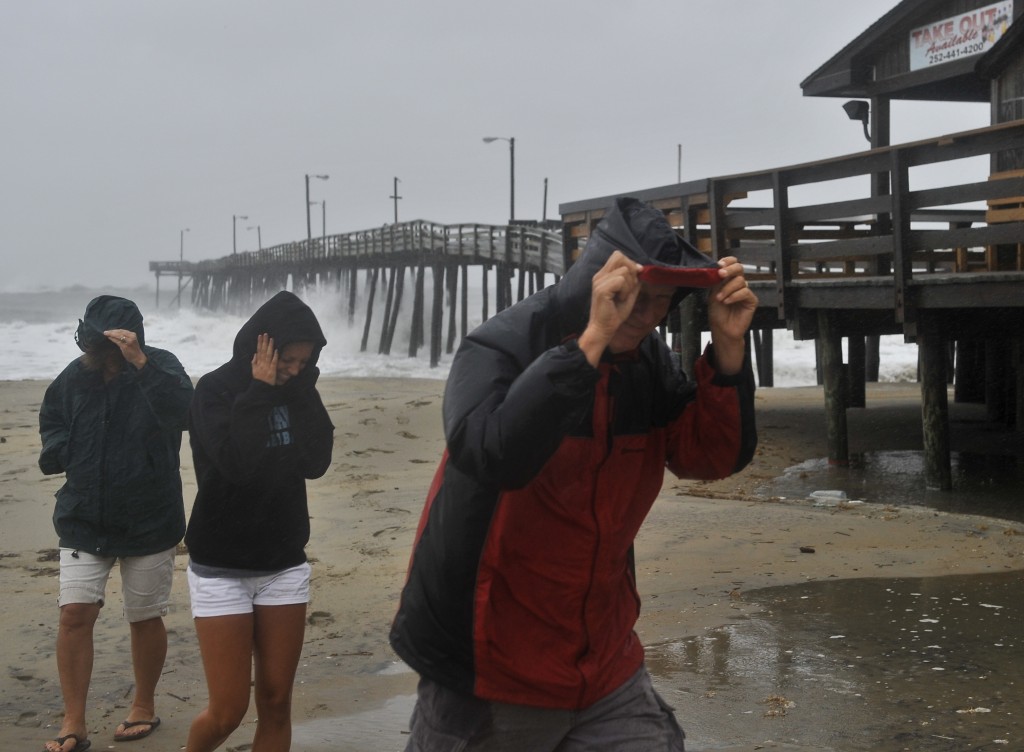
258,429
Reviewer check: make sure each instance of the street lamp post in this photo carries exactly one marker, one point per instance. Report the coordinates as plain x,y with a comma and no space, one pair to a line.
394,196
309,226
234,231
323,225
181,261
259,236
512,171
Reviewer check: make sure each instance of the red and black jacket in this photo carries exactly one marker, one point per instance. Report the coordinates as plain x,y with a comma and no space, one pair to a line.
521,586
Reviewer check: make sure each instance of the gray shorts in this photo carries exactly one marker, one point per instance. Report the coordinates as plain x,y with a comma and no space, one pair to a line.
145,581
633,718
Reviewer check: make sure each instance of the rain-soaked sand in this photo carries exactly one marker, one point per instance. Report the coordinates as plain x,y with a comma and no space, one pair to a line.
899,631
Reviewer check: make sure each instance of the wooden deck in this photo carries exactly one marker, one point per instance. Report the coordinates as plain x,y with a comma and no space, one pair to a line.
943,266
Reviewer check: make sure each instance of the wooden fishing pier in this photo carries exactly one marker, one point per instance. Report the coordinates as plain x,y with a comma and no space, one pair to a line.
529,252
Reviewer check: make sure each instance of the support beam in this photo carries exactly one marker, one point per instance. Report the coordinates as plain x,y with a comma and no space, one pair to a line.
934,412
437,316
835,402
856,391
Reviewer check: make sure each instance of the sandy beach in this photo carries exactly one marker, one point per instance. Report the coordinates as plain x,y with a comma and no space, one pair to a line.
705,544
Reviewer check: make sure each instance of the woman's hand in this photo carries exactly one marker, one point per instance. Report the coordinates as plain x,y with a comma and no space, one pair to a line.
264,361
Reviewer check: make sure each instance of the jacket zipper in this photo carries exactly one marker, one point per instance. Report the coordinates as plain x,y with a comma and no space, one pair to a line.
607,422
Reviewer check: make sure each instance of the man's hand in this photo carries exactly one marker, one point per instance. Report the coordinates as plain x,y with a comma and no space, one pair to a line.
264,361
731,307
614,290
128,343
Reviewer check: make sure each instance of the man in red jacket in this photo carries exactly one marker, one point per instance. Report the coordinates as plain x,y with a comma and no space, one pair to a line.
561,415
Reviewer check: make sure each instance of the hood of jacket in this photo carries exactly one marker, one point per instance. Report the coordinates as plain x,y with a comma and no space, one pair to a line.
286,319
643,234
108,312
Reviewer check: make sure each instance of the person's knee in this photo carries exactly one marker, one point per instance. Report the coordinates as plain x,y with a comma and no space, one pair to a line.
78,616
226,717
274,703
153,625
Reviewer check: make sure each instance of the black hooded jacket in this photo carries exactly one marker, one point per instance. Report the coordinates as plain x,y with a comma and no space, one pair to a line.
521,586
117,442
253,446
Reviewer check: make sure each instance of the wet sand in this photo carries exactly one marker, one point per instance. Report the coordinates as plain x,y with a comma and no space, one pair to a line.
705,546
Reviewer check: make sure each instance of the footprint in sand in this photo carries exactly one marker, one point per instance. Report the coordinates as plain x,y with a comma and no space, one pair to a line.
320,619
29,720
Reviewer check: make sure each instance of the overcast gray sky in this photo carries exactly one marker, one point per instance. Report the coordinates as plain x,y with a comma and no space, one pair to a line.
126,121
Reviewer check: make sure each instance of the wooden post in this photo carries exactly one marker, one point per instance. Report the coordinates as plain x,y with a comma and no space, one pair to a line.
465,300
353,291
856,391
934,412
416,337
388,300
393,323
689,334
452,279
389,305
835,403
996,357
484,289
872,358
369,307
500,287
437,316
766,365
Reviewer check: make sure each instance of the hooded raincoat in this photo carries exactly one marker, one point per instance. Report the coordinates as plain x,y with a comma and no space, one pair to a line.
521,587
117,443
253,446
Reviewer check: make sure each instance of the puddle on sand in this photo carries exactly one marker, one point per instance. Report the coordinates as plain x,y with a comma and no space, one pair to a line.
989,485
381,729
930,665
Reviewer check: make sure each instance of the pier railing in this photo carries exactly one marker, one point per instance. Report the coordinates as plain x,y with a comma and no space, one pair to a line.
528,246
882,243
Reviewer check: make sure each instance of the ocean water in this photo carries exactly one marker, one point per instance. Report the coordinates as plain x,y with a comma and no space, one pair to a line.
38,329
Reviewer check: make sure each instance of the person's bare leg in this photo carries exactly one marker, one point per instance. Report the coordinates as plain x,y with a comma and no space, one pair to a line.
74,667
225,643
149,651
279,631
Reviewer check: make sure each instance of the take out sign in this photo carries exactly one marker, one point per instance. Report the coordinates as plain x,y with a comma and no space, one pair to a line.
966,34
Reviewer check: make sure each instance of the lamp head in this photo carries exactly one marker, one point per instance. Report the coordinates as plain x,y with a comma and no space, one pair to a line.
857,109
490,139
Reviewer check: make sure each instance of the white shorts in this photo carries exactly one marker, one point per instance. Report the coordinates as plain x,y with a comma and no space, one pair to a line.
223,596
145,581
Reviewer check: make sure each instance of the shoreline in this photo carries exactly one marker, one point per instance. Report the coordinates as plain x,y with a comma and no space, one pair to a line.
704,544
